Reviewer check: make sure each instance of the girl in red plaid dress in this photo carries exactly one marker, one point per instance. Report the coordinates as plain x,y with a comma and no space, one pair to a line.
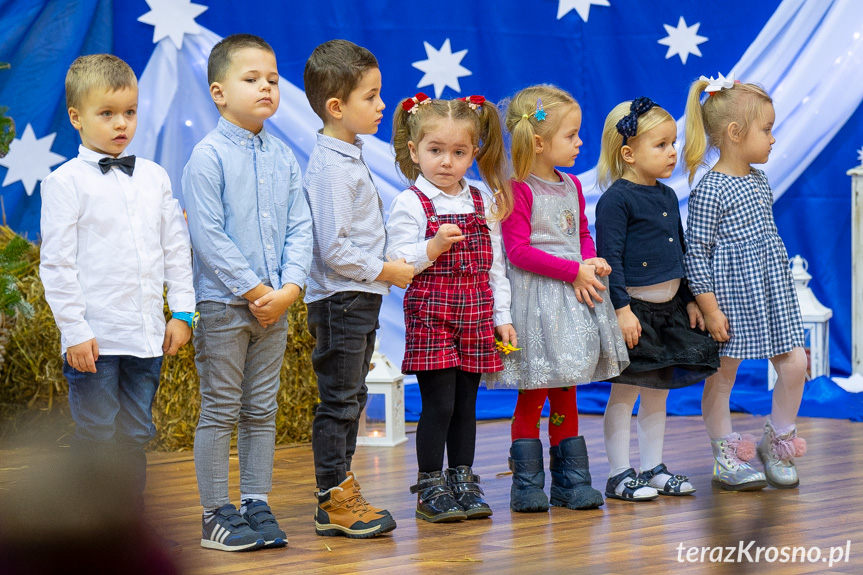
460,296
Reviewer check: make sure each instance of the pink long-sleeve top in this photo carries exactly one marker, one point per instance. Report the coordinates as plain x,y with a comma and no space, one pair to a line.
516,231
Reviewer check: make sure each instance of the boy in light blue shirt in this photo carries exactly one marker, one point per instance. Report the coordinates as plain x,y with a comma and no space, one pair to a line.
251,235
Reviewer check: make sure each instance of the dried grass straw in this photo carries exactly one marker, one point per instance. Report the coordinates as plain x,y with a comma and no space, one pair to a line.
34,393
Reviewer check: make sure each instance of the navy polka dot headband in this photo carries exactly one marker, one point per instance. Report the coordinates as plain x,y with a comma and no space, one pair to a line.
627,126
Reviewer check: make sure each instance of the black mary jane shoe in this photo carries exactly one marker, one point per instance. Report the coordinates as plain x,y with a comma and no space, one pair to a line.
633,484
673,485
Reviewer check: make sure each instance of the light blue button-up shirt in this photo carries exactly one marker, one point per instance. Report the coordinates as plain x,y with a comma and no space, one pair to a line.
248,218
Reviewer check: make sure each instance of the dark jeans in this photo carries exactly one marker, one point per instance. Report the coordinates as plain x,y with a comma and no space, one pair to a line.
344,326
114,408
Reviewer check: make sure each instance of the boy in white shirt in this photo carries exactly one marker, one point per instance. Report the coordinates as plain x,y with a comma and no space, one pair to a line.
112,237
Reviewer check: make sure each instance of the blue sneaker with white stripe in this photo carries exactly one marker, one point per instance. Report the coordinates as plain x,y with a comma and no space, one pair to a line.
227,530
261,519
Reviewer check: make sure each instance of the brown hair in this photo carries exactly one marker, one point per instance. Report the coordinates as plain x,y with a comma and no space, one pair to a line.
333,71
486,133
222,53
104,71
707,123
611,166
522,123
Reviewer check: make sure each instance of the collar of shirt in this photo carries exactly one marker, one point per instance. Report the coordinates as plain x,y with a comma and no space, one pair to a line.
92,156
354,150
241,136
431,191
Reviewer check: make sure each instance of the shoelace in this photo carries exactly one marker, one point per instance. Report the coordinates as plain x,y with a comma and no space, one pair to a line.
787,449
357,500
730,453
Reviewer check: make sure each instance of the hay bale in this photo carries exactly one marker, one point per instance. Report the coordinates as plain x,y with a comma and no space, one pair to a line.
34,393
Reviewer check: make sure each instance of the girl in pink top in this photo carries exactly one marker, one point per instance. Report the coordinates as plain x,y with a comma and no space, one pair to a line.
568,331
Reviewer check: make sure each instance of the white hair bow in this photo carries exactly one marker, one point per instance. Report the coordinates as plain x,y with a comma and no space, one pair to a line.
718,84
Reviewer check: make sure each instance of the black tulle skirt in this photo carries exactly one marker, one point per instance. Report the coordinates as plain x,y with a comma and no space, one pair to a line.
669,354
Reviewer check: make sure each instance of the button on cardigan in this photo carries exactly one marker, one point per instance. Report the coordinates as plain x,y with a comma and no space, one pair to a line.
640,235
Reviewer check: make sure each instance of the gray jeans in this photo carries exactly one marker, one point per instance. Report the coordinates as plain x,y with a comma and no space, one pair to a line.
238,363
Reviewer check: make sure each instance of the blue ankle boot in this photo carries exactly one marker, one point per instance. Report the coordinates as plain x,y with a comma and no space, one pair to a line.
528,476
570,476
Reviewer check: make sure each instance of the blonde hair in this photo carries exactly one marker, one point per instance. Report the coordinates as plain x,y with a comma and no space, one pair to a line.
486,134
522,123
611,166
707,123
104,71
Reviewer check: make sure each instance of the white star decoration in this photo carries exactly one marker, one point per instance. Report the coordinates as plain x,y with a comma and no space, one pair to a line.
30,160
683,40
580,6
860,156
442,68
173,19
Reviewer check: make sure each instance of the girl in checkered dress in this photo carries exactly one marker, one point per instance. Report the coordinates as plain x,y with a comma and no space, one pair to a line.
460,296
738,270
639,232
568,332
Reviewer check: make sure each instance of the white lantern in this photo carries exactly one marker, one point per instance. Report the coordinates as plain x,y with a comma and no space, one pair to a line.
382,421
856,268
816,324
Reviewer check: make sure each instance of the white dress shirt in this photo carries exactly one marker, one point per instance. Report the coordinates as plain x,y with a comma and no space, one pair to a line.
110,243
406,229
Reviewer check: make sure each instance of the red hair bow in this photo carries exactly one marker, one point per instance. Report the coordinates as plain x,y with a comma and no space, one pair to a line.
474,101
410,104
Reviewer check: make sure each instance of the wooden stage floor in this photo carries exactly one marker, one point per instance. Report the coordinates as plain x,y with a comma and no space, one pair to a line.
621,537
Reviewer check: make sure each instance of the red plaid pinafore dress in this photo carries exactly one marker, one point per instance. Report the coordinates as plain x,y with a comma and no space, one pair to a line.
449,307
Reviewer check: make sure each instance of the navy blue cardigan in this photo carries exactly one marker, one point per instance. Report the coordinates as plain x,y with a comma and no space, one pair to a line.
640,235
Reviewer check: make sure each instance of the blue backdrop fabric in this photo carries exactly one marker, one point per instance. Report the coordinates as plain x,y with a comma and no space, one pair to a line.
807,54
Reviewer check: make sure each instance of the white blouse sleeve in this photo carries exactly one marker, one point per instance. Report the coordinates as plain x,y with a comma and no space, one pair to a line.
497,279
406,229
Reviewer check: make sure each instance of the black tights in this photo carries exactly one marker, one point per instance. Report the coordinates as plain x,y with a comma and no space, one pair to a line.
448,418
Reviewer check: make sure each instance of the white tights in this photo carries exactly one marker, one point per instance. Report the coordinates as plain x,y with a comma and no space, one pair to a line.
791,371
650,424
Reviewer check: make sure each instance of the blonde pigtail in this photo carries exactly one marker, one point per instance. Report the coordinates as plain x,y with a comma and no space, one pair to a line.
491,160
401,137
523,148
695,147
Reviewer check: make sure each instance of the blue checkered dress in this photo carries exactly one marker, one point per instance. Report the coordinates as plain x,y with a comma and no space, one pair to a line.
734,250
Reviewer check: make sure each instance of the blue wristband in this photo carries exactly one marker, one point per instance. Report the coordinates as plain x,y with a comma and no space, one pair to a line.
188,317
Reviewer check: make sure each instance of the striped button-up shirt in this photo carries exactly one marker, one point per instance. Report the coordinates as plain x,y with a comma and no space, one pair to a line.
348,221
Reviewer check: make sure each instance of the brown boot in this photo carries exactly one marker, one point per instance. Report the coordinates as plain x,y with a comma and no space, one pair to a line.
343,510
362,497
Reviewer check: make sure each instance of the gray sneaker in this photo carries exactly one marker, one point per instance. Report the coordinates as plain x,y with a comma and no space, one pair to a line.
226,530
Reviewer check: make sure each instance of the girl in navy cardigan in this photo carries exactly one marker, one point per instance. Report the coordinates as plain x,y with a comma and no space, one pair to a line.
639,233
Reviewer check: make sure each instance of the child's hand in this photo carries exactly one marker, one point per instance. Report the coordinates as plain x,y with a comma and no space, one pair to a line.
717,325
397,272
268,308
696,318
506,334
443,240
586,284
177,334
602,267
630,327
83,356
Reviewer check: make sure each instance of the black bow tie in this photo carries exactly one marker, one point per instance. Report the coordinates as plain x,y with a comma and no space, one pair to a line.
126,163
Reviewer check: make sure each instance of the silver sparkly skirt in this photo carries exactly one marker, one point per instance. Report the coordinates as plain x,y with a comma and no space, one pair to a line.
563,342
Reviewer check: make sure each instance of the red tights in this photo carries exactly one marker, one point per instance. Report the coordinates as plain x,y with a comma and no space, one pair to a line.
562,423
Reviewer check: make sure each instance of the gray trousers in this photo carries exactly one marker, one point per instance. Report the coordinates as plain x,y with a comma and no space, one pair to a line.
238,363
